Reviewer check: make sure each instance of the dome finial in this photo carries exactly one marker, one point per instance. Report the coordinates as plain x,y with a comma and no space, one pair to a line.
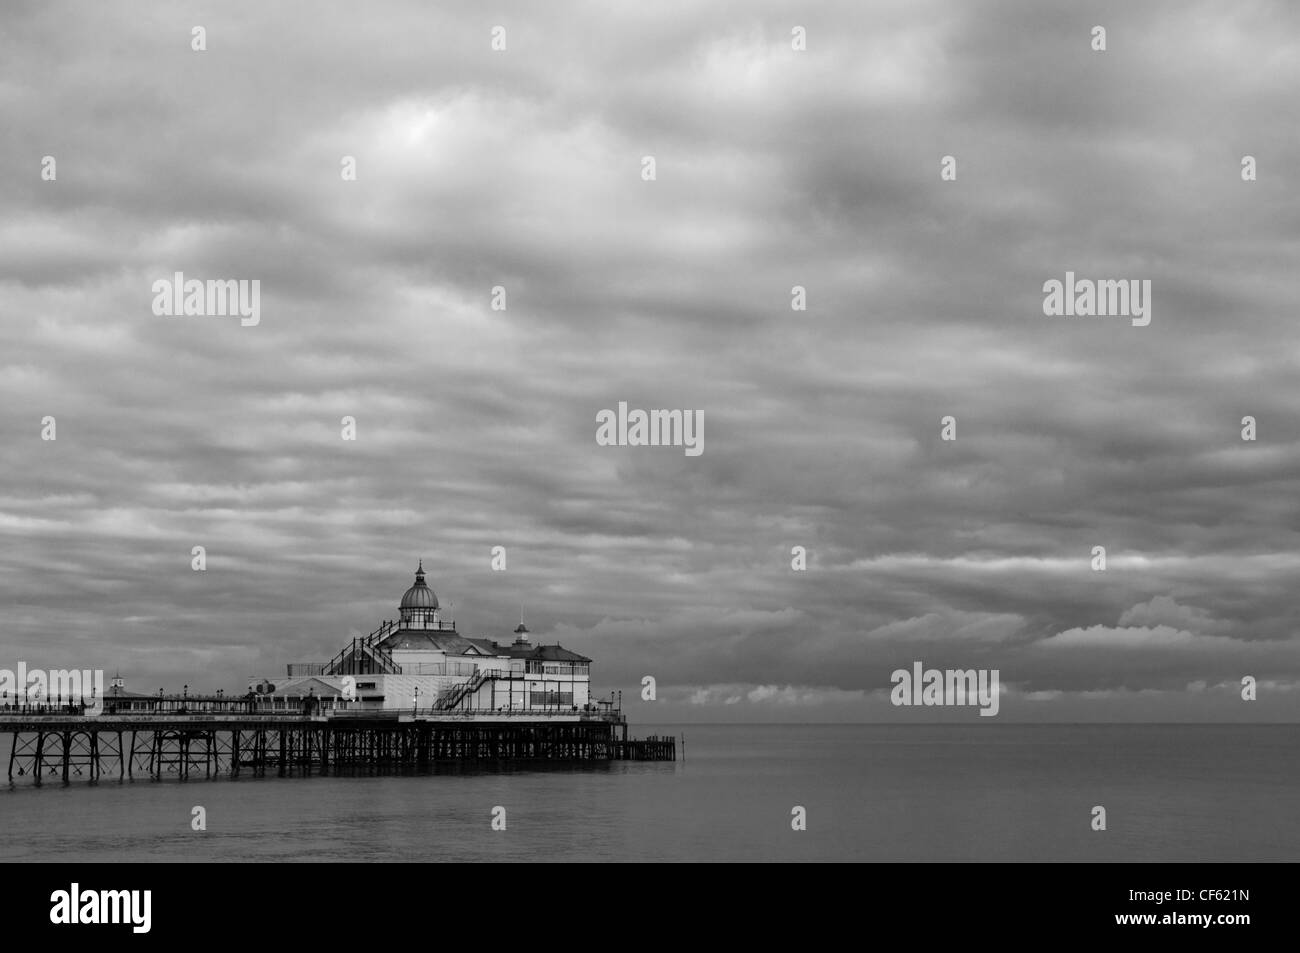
419,596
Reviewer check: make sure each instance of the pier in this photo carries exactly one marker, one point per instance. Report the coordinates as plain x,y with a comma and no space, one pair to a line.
412,695
66,747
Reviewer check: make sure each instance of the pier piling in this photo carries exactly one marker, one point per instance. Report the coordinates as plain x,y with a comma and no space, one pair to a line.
176,746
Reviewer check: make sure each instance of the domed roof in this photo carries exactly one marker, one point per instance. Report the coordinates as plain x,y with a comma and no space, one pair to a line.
419,596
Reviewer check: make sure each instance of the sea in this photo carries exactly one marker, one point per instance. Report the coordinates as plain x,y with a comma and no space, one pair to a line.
911,793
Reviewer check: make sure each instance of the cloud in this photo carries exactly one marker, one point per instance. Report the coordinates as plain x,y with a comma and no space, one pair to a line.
1165,612
771,695
1106,637
476,427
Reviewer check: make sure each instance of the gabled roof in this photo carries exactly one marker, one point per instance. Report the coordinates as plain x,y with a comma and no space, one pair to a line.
417,640
555,653
537,653
455,644
304,686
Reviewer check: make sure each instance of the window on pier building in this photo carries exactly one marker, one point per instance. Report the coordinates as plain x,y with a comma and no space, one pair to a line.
550,699
555,668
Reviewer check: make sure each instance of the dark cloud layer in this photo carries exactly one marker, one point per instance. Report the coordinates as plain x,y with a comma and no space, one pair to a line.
476,427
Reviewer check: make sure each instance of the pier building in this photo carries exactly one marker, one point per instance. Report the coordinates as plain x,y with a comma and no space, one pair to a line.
419,661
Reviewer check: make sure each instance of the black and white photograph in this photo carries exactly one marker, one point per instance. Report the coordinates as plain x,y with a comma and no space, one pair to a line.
716,432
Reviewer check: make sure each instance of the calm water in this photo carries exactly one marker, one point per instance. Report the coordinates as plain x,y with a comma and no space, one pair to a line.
909,793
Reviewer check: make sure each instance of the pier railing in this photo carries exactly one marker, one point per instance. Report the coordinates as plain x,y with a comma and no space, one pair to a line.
150,705
302,669
59,713
417,625
308,706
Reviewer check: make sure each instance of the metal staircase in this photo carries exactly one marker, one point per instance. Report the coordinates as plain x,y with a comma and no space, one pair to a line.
364,656
454,696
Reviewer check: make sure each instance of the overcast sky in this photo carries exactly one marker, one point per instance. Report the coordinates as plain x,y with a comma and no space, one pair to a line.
476,428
